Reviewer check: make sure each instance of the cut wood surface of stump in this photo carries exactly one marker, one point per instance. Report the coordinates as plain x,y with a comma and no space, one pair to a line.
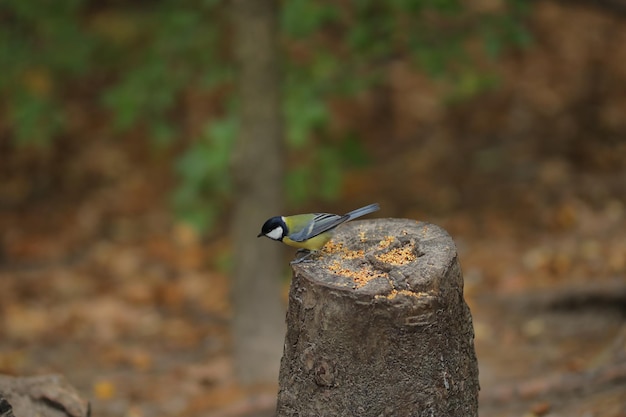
377,326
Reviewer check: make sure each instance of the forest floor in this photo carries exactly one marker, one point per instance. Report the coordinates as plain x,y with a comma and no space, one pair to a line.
99,283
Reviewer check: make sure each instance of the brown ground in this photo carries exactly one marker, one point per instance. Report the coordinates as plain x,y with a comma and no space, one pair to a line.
133,308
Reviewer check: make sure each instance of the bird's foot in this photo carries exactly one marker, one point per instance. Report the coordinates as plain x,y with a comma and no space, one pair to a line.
303,258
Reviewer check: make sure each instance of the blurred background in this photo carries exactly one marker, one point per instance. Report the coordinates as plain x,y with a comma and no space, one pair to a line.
143,144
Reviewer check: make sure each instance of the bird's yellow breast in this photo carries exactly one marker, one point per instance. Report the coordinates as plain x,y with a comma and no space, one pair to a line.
315,243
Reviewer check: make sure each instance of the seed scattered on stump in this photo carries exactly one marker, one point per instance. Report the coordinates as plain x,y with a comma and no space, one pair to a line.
399,256
398,253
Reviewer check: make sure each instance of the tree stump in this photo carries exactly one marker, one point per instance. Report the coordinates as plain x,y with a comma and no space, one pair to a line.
377,326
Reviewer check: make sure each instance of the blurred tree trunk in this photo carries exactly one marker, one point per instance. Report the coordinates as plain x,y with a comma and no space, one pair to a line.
258,326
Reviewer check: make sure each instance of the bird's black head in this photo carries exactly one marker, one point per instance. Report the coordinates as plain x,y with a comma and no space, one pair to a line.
274,228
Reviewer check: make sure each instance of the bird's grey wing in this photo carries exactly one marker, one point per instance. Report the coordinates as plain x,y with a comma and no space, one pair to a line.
322,222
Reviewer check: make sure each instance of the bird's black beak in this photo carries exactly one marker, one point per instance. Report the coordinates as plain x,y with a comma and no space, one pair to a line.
260,234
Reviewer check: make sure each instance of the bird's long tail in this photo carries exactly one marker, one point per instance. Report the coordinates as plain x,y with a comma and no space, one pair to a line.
363,211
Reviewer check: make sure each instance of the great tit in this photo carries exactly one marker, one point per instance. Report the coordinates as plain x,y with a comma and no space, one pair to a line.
309,231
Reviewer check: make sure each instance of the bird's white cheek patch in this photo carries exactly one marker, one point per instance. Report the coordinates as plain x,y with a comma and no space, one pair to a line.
275,234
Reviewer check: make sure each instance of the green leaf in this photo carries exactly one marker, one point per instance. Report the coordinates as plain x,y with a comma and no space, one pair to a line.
520,35
203,170
330,173
305,112
300,18
445,6
493,43
193,164
200,218
35,120
299,184
163,134
353,152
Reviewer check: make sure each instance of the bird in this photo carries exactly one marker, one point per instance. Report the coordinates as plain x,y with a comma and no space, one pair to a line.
309,232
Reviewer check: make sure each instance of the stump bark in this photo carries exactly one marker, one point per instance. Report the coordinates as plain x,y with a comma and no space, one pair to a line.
377,326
